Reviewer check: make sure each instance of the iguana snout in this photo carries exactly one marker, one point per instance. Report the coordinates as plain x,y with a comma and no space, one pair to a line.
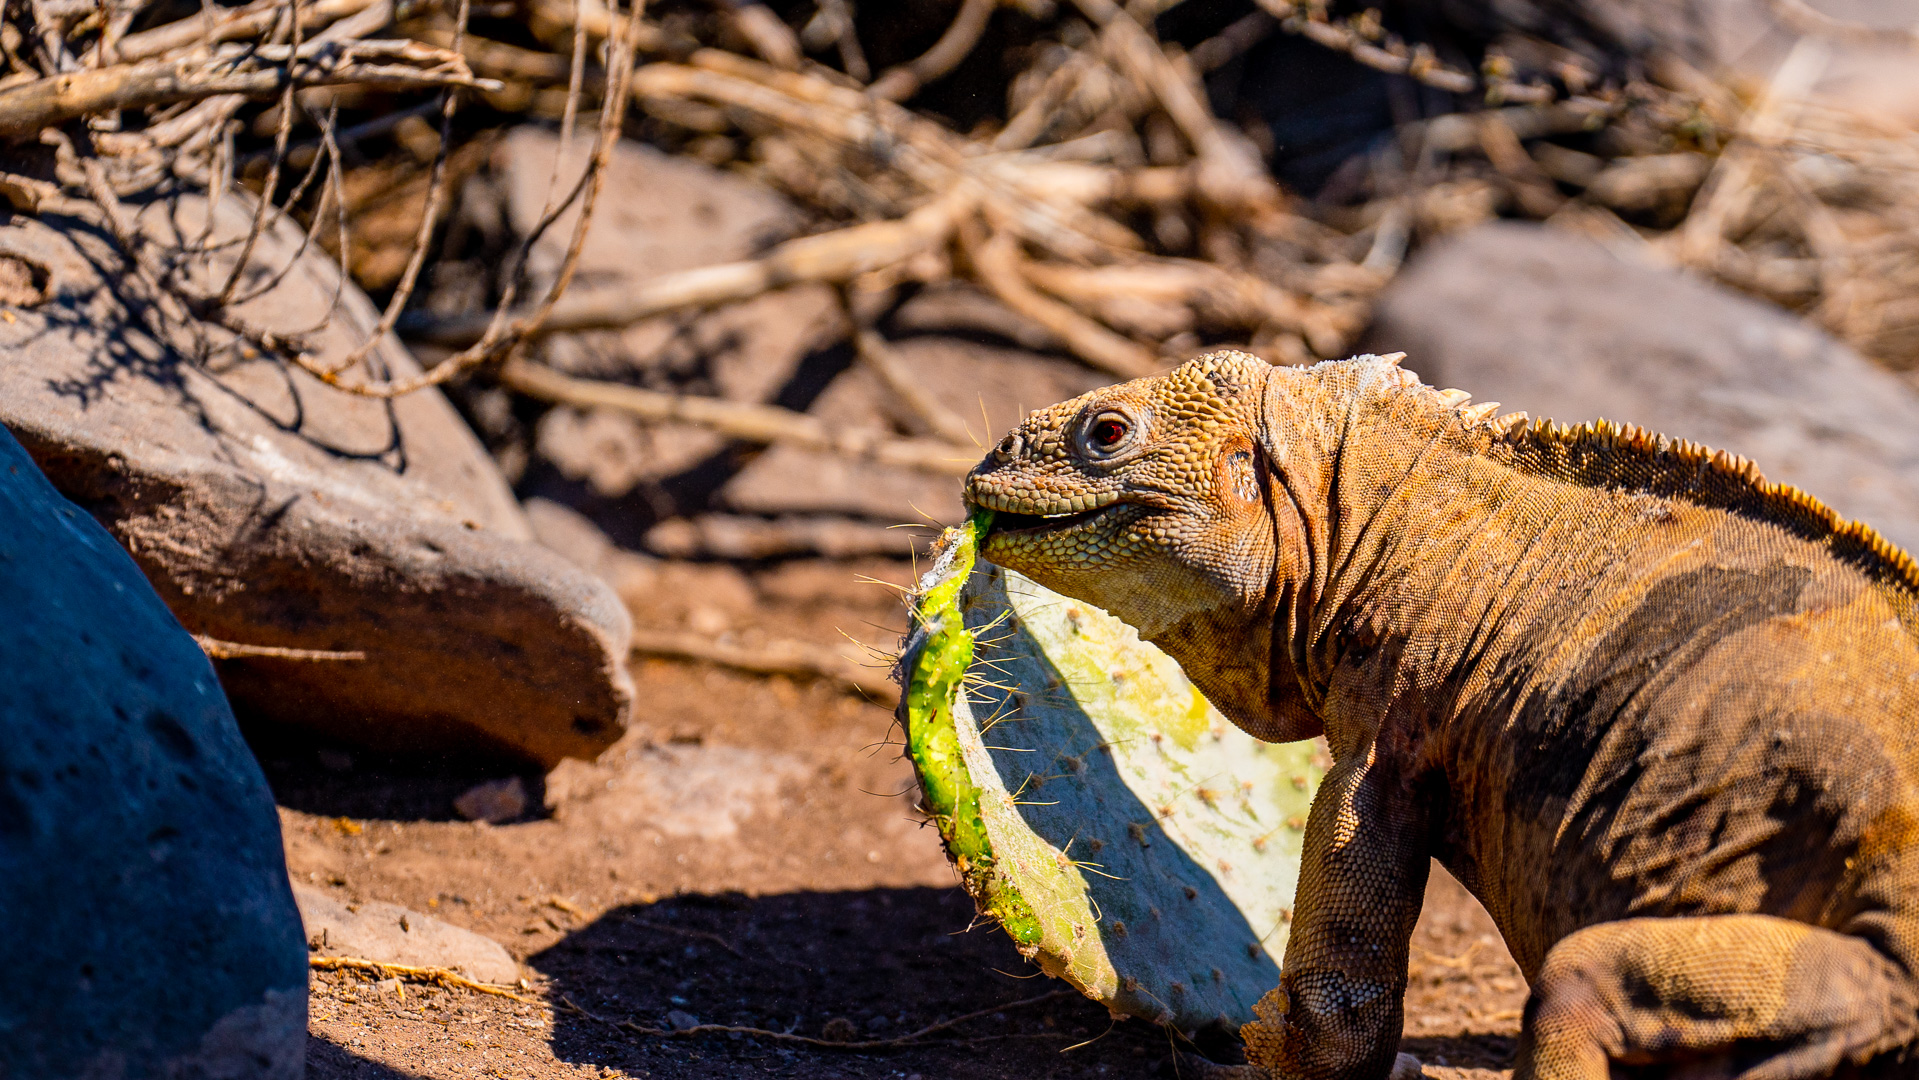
1054,482
1143,498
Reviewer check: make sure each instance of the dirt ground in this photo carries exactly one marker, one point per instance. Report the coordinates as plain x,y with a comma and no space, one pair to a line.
749,855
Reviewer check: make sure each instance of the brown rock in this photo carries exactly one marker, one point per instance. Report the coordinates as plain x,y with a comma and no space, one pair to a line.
268,509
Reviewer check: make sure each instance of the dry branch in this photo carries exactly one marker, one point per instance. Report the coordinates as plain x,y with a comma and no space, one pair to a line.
908,1039
432,975
830,257
1230,175
1226,297
233,650
915,149
214,26
554,19
765,31
998,263
1097,185
776,657
902,82
28,108
1361,39
499,60
737,420
502,333
881,359
729,536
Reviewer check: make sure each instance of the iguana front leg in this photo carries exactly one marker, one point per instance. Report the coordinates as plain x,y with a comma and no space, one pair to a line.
1339,1008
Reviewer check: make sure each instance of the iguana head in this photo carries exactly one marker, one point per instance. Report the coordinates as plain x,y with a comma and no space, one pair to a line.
1155,500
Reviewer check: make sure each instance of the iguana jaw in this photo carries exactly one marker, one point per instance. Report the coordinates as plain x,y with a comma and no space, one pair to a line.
1027,515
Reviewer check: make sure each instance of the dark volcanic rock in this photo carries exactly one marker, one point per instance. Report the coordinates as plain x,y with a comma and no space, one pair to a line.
269,509
1554,324
151,930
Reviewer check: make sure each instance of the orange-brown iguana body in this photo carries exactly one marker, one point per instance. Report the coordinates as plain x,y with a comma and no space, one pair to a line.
1659,715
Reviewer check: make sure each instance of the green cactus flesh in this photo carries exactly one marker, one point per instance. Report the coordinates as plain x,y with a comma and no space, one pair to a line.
1129,838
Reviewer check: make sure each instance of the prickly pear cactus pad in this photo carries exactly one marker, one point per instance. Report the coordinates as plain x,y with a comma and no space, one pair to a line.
1128,837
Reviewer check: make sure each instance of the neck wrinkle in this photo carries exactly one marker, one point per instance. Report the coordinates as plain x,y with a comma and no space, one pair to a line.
1382,532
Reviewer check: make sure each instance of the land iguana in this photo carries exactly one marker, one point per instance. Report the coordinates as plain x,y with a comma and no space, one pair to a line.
1660,715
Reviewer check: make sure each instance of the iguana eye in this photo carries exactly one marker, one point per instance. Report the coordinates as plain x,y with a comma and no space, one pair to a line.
1108,434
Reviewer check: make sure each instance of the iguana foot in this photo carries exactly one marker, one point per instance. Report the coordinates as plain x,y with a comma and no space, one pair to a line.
1262,1038
1768,997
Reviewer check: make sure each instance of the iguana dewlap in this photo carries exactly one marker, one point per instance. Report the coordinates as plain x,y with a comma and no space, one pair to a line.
1660,715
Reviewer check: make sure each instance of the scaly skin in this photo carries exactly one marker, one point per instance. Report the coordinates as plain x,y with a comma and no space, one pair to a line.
1660,715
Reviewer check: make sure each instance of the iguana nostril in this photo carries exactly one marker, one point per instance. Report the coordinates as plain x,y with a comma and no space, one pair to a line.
1008,448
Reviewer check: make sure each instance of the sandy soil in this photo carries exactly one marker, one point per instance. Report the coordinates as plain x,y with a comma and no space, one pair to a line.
748,855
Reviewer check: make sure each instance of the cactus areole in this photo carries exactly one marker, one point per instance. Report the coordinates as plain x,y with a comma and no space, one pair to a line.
1128,838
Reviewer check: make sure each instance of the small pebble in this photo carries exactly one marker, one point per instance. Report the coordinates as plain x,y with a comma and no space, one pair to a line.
495,802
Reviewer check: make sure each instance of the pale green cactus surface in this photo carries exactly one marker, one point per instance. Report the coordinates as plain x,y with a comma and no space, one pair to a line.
1130,839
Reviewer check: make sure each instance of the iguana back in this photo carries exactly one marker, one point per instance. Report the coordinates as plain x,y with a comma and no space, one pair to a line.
1660,715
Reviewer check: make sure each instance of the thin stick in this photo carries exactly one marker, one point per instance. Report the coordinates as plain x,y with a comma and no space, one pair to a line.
429,218
763,29
432,975
831,257
738,420
883,360
233,650
806,1040
234,24
917,149
997,262
902,82
264,207
1031,122
499,337
28,108
1231,177
779,657
1394,58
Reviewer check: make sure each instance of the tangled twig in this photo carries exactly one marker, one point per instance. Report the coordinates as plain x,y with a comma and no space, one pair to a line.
433,976
27,108
739,420
696,1030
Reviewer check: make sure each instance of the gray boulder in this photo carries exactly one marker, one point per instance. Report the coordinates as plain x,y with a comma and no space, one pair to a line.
150,928
1556,325
269,509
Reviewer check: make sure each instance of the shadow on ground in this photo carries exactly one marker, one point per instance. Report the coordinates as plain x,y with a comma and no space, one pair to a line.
318,776
876,962
873,964
338,1063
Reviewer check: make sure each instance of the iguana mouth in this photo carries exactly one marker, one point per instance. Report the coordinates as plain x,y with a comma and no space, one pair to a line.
1025,523
1024,513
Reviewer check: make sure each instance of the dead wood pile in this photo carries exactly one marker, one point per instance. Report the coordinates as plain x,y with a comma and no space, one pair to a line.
1080,171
